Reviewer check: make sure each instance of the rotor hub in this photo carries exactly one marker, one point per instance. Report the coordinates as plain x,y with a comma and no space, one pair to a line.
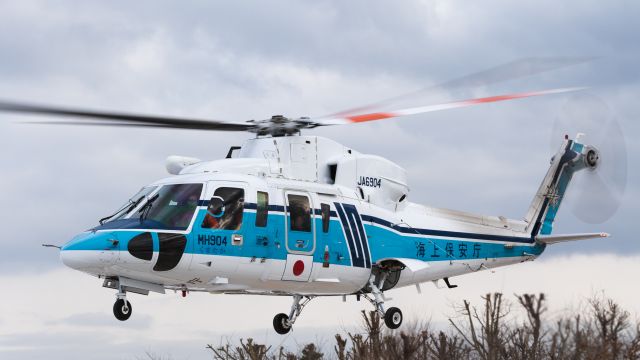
279,125
592,158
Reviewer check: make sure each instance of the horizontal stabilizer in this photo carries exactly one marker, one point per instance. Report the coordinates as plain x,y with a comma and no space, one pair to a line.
552,239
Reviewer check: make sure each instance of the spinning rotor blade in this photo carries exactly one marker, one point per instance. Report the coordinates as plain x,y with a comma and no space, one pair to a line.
347,119
279,125
599,191
513,70
99,118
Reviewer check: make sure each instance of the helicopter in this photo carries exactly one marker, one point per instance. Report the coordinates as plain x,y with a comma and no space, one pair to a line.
287,214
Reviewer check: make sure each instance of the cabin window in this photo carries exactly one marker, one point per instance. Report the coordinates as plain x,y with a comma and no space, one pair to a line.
262,209
325,210
225,214
299,213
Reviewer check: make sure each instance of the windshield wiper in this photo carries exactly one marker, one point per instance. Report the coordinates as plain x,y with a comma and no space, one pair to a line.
101,221
144,210
130,206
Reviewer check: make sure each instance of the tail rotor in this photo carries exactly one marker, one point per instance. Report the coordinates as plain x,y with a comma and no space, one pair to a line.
599,191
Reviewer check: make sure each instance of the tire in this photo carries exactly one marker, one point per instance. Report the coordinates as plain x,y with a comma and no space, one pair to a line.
121,311
280,323
393,318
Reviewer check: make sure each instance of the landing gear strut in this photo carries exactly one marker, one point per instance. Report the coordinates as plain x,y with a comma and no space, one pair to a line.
282,323
122,308
393,316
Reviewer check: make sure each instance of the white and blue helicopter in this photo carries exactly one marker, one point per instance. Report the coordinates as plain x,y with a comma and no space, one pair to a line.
295,215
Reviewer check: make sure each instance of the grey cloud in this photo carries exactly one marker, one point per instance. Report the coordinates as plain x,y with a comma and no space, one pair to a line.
105,319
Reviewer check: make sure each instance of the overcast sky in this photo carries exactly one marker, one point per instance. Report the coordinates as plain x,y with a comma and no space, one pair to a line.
250,60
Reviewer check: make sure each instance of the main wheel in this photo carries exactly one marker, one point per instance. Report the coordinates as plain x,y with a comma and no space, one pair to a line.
122,310
393,318
281,323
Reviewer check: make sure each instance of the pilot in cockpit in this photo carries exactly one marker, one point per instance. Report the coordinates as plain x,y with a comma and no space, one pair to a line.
229,217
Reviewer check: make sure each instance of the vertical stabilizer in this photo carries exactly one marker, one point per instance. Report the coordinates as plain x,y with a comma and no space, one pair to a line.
571,157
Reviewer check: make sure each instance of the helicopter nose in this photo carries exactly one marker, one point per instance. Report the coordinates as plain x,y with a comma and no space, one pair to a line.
73,255
77,260
86,251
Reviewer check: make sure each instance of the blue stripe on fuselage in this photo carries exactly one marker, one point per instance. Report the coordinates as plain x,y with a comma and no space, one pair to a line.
359,236
446,233
356,259
377,238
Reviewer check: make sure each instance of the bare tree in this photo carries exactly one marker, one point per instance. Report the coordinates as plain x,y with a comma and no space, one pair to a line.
485,333
246,351
526,341
446,347
341,347
602,330
310,352
610,323
632,350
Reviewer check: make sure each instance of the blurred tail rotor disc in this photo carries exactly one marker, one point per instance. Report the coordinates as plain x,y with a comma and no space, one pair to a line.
595,194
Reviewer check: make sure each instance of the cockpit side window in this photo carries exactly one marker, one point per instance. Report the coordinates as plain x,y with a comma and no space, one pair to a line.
230,217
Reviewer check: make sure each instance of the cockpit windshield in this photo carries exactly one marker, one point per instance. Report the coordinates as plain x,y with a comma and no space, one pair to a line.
130,205
171,207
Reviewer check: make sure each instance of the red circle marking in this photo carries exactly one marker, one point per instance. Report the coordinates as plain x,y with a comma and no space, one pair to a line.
298,268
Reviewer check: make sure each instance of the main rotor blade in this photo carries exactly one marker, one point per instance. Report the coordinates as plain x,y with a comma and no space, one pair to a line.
431,108
517,69
119,119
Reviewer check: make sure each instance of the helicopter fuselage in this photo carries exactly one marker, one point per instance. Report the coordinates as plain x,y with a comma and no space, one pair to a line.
319,220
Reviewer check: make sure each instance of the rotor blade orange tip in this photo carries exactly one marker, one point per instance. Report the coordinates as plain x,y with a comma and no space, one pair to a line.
438,107
370,117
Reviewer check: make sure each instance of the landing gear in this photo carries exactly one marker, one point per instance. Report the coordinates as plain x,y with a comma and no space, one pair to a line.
122,309
282,323
393,316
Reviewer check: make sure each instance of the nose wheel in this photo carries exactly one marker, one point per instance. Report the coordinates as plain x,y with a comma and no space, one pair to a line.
393,318
122,309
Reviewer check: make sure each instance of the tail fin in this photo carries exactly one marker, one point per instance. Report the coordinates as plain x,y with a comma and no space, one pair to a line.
570,158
